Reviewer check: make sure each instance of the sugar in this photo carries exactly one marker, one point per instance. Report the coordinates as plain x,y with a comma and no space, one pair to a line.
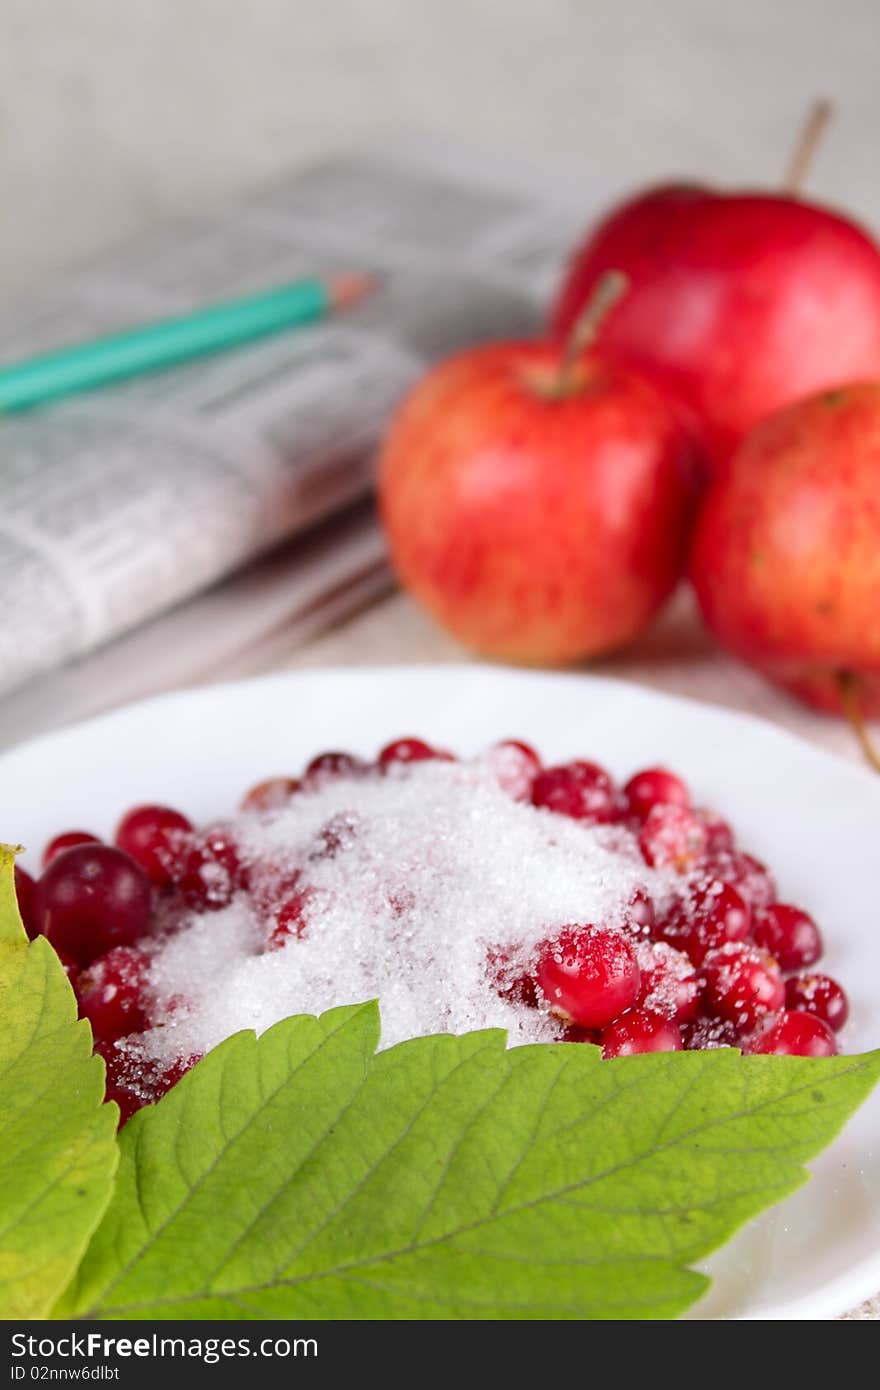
425,882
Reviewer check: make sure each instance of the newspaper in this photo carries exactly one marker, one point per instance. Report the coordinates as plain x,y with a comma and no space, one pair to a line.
244,626
119,504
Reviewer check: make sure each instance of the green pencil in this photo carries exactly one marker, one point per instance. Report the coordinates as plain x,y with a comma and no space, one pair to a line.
168,342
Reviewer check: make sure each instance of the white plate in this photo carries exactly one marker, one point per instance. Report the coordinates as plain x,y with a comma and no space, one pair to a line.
812,816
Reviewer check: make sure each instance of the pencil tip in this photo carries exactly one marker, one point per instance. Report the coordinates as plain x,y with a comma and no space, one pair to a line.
349,287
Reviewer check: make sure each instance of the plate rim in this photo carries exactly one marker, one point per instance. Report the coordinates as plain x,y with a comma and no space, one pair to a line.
423,671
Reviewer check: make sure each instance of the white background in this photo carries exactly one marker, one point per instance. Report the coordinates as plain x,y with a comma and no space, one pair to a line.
115,114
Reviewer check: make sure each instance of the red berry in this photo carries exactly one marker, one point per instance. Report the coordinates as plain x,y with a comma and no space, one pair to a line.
639,916
578,789
212,871
134,1081
672,837
788,934
516,765
339,833
639,1030
70,966
329,767
111,993
655,787
270,795
26,894
400,901
705,1033
706,918
588,975
119,1080
743,984
291,919
174,1072
156,838
571,1034
819,995
271,884
751,879
797,1034
411,750
670,985
92,898
67,840
719,835
510,980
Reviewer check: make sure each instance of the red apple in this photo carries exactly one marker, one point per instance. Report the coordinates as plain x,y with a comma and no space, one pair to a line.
786,555
739,303
539,510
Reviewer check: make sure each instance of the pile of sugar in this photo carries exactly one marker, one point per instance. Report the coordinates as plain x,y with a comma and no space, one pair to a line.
432,871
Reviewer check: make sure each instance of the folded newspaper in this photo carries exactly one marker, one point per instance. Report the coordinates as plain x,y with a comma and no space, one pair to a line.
119,504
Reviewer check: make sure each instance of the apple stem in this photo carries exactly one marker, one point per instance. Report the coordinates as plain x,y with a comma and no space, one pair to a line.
848,685
809,138
610,287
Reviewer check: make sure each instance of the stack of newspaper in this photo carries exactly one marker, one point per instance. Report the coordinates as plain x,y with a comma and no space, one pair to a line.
118,506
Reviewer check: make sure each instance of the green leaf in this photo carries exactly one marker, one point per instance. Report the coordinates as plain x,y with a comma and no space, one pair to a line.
58,1148
12,932
302,1176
